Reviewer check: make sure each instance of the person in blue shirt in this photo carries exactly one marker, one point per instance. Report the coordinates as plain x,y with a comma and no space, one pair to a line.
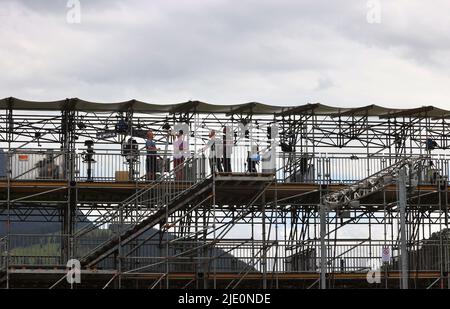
150,145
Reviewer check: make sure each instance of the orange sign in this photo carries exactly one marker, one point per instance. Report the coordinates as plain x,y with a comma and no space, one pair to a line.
23,157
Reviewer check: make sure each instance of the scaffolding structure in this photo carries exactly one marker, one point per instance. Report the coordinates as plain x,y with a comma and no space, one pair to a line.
336,197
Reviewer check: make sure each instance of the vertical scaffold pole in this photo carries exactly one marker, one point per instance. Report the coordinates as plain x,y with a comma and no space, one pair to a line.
402,208
323,248
264,253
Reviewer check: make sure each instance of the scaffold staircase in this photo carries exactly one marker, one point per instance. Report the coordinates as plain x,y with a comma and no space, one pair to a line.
147,207
350,196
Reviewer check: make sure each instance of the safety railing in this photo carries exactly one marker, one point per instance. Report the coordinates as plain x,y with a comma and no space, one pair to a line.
363,255
237,256
35,250
108,165
352,256
347,168
113,165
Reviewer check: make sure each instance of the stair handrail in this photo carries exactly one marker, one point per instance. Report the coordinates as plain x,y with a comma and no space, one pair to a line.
343,197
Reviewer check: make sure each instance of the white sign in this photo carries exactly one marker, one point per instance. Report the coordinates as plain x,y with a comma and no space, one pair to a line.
386,255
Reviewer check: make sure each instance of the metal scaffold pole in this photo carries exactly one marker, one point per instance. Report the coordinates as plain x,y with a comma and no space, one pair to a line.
10,130
214,234
264,252
402,208
323,248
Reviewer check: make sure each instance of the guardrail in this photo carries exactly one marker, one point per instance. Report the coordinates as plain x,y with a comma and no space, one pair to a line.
358,256
238,256
36,250
139,166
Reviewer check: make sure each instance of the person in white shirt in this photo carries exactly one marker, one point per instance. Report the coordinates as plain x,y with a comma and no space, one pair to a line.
227,149
180,152
268,160
215,152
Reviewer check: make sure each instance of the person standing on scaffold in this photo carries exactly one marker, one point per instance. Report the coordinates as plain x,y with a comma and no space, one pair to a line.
180,152
150,159
215,152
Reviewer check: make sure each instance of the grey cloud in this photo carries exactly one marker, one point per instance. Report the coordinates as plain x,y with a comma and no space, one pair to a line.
281,52
324,83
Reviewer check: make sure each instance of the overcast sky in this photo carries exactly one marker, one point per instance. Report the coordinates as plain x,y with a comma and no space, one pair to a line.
218,51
